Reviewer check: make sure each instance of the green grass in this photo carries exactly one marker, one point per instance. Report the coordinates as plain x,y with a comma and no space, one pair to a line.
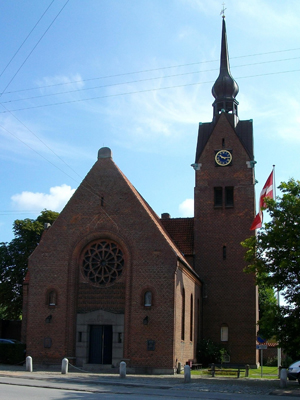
268,373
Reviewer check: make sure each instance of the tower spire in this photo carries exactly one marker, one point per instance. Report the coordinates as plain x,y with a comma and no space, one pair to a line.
225,87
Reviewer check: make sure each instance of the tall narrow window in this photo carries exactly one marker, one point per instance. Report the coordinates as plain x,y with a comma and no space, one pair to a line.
192,316
52,298
229,196
224,333
148,299
218,197
183,314
224,252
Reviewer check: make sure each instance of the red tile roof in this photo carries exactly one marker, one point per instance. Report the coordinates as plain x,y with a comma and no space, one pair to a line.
181,231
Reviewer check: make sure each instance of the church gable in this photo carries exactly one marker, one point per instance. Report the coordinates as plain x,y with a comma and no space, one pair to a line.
223,137
243,130
108,261
107,202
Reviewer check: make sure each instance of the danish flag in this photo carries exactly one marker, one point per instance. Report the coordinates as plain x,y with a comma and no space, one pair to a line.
267,191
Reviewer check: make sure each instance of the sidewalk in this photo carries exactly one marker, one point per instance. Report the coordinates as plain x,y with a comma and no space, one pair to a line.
77,380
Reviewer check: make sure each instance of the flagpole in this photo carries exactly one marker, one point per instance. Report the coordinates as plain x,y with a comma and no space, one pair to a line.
274,184
278,291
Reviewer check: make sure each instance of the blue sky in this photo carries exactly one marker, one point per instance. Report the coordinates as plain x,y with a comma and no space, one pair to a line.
136,76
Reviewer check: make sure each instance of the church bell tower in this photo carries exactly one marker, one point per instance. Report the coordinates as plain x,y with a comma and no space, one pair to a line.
224,210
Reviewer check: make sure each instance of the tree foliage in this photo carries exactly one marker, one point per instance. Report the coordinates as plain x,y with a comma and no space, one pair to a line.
209,352
13,261
274,256
267,304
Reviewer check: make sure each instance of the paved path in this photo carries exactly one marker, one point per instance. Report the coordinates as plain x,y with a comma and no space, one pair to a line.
200,384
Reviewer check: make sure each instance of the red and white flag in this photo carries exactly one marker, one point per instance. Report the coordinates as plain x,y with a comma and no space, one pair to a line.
267,191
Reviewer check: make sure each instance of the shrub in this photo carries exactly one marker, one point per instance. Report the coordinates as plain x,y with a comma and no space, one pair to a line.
271,362
12,353
209,352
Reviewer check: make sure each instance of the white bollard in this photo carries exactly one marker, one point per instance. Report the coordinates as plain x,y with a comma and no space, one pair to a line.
122,369
64,366
29,364
187,374
283,378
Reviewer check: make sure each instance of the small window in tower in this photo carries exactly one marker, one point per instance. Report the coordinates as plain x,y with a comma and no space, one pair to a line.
218,196
148,299
229,108
120,337
224,252
102,201
224,333
52,298
229,196
223,142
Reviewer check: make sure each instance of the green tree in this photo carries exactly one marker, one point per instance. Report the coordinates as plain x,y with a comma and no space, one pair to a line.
267,304
13,261
209,352
274,256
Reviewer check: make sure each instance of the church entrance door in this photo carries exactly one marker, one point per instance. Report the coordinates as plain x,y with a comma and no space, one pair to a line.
100,351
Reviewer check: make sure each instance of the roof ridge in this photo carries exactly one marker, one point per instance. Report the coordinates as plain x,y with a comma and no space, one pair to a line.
154,217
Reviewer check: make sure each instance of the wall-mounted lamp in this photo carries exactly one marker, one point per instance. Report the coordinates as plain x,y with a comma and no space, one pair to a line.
146,320
48,319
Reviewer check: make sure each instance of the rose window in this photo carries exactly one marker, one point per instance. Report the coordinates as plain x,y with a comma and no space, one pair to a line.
103,262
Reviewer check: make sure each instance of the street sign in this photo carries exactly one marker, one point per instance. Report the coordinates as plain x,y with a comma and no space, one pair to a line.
261,347
260,340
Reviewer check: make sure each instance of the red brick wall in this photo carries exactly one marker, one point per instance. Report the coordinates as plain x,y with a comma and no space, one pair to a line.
186,349
150,264
231,294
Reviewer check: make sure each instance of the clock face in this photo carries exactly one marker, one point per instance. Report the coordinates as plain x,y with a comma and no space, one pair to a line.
223,158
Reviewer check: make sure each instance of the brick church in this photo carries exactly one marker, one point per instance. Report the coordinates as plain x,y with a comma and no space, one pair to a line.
111,281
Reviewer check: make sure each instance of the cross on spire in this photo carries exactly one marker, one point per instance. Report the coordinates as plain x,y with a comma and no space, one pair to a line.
223,10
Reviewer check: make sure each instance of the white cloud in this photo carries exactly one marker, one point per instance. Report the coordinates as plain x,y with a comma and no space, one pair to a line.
61,83
55,200
186,208
28,140
159,115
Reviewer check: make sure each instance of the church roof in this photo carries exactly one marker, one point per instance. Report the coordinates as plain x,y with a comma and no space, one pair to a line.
181,231
243,129
225,90
106,153
225,86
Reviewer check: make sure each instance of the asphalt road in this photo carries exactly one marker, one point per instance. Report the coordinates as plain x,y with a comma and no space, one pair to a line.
30,389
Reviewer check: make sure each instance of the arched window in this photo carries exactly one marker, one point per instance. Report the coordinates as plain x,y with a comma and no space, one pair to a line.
52,298
183,314
148,299
192,316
